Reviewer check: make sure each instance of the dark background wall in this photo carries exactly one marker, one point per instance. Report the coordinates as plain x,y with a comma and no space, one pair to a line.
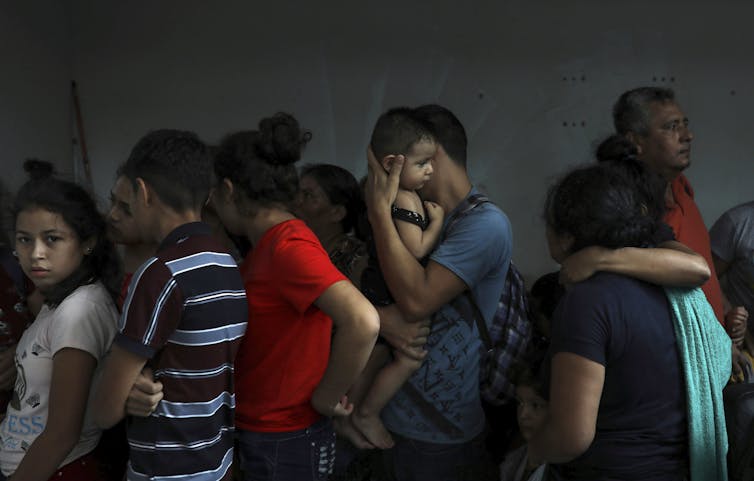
533,82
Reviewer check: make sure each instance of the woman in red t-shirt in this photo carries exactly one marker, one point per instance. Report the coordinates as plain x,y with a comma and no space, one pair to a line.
291,372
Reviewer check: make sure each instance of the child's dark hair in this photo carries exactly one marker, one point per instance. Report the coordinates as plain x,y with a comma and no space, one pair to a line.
529,371
396,132
176,164
600,205
547,291
341,188
77,208
260,162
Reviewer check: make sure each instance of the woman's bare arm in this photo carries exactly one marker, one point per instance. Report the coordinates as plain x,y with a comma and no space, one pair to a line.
670,264
575,393
357,324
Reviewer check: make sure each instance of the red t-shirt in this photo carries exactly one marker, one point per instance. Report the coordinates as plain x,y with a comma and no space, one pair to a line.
287,345
124,289
687,223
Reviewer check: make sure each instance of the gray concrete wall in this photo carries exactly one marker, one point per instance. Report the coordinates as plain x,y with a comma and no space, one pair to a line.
532,81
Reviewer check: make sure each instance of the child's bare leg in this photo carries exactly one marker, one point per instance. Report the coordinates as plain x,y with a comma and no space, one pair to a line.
366,414
344,426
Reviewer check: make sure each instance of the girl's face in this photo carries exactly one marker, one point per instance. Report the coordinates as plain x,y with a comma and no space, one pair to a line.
48,249
312,205
532,410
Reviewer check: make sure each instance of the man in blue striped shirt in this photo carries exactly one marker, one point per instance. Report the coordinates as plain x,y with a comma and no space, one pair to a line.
183,317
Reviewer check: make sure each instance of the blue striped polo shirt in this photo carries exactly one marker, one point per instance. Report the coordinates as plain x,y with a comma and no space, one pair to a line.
185,312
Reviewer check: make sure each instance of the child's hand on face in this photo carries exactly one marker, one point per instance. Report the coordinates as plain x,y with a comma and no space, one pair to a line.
434,211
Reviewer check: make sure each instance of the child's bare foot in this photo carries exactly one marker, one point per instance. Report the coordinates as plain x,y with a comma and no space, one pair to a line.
373,430
345,428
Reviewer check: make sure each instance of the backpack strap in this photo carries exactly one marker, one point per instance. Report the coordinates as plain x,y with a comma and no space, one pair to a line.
513,292
481,324
465,207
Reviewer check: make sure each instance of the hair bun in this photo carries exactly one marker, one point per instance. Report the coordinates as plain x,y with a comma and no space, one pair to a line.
281,139
38,169
617,148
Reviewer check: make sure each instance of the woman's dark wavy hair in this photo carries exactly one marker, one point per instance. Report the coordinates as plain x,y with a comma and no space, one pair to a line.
601,205
618,150
260,162
341,188
77,208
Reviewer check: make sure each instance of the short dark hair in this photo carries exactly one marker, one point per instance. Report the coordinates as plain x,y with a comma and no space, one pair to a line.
260,162
176,164
396,132
631,111
600,205
448,130
77,208
523,374
341,188
529,370
547,291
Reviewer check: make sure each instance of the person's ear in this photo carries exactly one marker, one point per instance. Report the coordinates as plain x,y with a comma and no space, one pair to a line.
635,139
387,162
143,193
88,245
227,190
338,213
566,242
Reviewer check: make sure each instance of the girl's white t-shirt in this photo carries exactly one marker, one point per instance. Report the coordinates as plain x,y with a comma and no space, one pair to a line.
86,320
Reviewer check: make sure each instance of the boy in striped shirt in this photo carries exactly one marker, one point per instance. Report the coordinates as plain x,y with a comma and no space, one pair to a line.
183,317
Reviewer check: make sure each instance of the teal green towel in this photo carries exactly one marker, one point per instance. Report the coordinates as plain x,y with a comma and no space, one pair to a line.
704,347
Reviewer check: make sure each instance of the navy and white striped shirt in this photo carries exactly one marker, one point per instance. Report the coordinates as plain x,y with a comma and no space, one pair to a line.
185,312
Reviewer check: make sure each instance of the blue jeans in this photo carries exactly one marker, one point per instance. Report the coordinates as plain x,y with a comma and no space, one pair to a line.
412,460
308,454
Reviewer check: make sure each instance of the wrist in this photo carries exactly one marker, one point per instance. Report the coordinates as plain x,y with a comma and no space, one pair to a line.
378,211
607,259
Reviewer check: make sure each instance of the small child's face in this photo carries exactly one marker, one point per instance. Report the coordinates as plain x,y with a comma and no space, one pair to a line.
532,410
417,169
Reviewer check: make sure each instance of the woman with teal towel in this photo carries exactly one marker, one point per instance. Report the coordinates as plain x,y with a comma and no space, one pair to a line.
620,403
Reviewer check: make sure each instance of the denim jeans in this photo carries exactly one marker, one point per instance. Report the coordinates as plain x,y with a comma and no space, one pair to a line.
308,454
412,460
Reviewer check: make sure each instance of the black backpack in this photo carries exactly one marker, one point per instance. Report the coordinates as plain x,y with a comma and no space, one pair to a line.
510,333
